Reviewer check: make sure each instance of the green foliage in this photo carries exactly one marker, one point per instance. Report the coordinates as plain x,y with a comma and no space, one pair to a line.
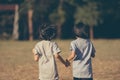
110,9
6,19
87,14
86,10
58,16
25,6
65,13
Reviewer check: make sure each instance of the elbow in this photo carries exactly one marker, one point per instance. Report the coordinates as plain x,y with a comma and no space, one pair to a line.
72,56
36,60
93,56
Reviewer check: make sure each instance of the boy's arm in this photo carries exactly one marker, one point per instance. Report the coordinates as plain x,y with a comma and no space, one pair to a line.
71,56
36,56
93,51
60,58
93,55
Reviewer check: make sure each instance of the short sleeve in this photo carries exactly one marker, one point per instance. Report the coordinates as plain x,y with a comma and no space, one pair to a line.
36,49
56,49
72,47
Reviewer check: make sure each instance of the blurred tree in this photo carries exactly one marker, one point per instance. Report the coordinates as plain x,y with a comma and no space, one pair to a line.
109,7
6,20
40,14
15,34
63,13
87,12
42,10
30,25
67,27
69,12
26,8
110,10
58,17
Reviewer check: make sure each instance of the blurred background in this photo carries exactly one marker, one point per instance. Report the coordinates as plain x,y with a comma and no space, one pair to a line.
20,22
21,19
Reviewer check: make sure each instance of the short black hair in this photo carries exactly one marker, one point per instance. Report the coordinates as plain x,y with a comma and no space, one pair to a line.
81,30
47,32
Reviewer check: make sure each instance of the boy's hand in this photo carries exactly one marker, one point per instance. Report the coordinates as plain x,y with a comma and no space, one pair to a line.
67,63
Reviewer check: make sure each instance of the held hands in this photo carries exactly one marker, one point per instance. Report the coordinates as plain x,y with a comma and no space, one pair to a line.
67,63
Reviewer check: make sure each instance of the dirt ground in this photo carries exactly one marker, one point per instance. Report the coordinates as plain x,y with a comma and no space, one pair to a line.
16,60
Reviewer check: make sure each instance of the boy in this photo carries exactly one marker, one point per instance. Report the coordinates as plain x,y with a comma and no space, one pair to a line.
82,50
45,52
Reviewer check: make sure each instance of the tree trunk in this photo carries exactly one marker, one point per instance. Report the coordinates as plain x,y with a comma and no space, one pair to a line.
30,12
15,34
59,24
59,31
91,32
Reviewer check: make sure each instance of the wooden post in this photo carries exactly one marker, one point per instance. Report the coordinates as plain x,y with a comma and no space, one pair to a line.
91,32
15,34
59,30
59,24
30,26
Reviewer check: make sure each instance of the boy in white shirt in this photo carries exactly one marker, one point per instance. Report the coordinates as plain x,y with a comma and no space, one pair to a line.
45,52
82,50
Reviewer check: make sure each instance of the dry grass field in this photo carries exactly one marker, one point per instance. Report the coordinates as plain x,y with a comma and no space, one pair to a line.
16,60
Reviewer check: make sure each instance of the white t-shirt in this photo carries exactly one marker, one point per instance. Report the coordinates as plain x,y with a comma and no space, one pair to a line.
82,67
47,64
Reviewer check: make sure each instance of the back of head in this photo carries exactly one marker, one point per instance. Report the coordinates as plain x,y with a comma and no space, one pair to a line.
47,32
81,30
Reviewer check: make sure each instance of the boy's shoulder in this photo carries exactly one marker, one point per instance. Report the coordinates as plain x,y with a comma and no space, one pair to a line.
81,40
73,41
43,41
39,42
